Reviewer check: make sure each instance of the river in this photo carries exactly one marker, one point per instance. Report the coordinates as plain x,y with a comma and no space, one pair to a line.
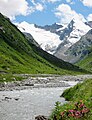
28,103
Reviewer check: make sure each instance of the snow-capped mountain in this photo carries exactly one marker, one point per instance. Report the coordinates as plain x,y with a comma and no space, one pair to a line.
73,31
56,38
80,49
70,35
52,28
47,40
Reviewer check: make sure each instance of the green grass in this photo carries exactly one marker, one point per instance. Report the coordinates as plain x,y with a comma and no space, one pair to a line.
81,91
86,63
10,78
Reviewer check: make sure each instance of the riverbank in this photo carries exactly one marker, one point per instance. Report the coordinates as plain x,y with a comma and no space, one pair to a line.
79,105
42,81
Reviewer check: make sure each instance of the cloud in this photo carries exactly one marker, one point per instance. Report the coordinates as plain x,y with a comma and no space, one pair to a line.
87,2
53,1
70,1
12,8
89,18
66,14
32,1
44,1
39,7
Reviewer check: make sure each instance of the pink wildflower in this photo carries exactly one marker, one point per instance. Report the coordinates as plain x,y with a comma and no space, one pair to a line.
71,115
71,111
85,110
62,114
78,114
81,105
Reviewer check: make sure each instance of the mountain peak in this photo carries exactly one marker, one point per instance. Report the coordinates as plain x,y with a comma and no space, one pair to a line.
70,35
71,25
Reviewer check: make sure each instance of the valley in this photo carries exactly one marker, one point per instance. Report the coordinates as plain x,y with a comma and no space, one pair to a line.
31,79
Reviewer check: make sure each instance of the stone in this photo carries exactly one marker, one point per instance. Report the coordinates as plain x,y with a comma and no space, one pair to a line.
41,117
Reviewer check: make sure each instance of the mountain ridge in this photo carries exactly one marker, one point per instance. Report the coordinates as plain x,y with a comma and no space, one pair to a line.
20,55
56,35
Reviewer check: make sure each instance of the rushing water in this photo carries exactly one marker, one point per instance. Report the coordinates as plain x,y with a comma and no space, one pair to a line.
26,104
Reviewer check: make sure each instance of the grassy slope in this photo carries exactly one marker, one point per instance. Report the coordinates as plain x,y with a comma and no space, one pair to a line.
19,55
86,63
82,91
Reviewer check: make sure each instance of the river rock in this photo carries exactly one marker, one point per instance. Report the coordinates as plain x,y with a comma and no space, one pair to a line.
41,117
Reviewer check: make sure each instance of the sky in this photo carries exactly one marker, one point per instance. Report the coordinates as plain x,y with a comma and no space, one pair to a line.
46,12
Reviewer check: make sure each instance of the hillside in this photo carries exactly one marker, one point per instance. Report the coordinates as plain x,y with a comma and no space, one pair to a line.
80,105
19,55
85,60
86,63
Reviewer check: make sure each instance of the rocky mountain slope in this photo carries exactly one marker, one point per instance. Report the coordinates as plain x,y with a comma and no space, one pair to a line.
19,55
31,39
52,28
80,49
72,34
89,23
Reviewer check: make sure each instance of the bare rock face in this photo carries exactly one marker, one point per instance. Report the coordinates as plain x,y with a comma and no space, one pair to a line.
41,117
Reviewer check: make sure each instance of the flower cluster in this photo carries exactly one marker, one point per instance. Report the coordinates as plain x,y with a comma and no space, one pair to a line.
79,111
